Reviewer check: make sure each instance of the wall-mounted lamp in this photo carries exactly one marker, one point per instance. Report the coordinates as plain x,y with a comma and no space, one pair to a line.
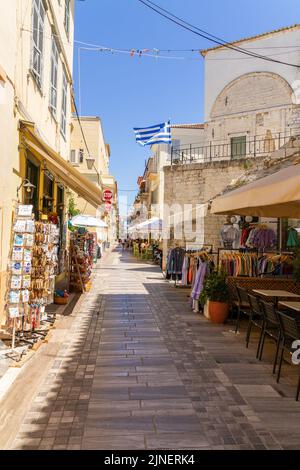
90,161
29,188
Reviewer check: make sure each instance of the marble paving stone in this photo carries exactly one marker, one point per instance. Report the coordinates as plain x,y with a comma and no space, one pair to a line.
142,371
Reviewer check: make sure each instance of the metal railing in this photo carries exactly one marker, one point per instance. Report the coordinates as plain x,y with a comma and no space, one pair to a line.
239,148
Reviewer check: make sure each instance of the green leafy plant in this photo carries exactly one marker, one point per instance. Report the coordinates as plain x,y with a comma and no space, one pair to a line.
72,208
215,288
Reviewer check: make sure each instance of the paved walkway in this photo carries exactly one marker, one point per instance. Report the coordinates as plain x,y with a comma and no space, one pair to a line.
136,369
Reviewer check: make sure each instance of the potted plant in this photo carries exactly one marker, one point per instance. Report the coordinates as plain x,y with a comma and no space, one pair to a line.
216,291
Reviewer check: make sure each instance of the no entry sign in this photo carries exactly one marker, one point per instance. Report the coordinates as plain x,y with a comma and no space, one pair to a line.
107,195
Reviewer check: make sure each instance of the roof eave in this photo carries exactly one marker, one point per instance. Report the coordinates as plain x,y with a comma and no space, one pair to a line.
204,52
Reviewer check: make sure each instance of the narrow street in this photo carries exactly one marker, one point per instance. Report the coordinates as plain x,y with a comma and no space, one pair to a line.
136,369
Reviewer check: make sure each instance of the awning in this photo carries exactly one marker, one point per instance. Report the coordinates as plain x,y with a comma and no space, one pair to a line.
71,177
84,220
276,195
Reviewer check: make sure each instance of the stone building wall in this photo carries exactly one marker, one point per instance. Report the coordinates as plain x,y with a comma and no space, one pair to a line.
197,184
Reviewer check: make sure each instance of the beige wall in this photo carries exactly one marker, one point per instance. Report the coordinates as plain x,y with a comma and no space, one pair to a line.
21,99
94,136
93,132
35,100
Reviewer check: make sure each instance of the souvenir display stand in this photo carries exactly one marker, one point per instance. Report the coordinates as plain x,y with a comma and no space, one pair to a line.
75,270
44,269
19,272
31,276
83,253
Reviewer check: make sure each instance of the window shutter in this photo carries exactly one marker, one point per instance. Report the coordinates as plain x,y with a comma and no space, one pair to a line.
38,20
73,156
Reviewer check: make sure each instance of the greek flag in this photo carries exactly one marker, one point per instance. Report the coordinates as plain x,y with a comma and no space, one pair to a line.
159,134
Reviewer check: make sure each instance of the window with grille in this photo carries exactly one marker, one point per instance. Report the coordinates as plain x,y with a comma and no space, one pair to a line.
38,24
67,16
81,153
238,147
63,122
53,76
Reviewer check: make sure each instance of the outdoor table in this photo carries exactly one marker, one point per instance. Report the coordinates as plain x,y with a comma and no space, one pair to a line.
277,294
291,305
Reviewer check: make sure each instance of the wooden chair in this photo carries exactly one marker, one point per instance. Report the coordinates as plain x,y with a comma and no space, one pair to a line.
271,329
290,331
256,319
242,304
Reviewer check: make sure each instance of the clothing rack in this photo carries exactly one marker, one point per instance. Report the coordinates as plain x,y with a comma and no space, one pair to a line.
236,250
279,263
279,266
189,270
202,249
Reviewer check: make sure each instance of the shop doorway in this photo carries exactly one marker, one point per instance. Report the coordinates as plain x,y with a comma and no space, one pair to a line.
32,174
48,195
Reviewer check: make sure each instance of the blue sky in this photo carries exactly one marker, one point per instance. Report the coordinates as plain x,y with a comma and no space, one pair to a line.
129,92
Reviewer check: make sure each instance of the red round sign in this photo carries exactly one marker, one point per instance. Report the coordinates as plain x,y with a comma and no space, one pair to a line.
107,195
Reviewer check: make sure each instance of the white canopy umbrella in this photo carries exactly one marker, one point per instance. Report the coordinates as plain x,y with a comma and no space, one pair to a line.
87,221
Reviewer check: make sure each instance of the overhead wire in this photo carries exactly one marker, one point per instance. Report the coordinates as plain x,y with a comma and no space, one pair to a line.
188,26
156,51
128,51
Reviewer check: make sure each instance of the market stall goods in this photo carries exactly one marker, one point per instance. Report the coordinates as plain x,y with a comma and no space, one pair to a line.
19,268
32,269
83,255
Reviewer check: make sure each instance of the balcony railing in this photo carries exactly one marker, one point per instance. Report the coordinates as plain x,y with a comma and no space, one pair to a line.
250,147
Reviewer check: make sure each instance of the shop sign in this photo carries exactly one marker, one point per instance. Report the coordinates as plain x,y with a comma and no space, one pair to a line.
107,195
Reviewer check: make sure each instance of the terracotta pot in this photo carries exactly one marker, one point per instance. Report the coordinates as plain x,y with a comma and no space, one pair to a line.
218,311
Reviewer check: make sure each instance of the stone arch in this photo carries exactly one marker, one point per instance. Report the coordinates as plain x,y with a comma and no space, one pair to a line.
251,92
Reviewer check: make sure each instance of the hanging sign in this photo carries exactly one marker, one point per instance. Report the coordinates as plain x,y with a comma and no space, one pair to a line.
107,206
107,195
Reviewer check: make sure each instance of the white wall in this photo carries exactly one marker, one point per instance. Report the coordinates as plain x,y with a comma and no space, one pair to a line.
224,65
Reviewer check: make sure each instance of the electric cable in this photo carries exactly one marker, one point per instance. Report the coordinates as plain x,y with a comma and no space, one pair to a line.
220,42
